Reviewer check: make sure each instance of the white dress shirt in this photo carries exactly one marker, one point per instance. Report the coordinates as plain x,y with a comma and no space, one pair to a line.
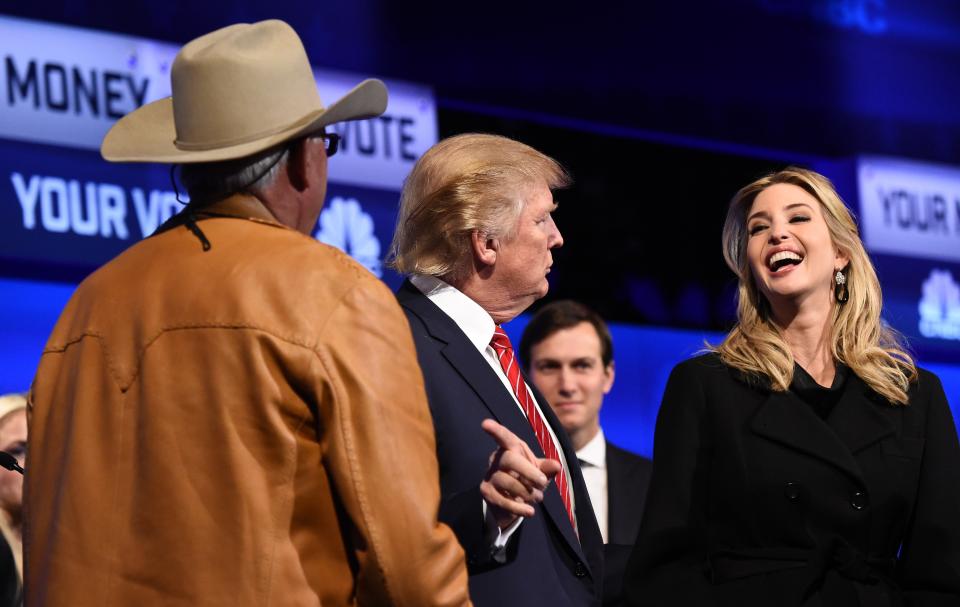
478,326
593,465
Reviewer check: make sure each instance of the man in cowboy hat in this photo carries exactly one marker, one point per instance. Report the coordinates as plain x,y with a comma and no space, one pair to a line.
231,413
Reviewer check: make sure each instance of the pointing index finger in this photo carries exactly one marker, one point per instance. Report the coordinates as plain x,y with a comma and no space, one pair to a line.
505,438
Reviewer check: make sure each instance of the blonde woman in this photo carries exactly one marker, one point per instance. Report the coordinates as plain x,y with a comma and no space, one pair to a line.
807,460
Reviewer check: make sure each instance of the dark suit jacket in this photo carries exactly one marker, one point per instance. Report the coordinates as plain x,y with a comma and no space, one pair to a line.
628,475
756,500
546,564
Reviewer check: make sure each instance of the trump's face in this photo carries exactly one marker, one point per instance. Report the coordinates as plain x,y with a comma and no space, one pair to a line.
524,260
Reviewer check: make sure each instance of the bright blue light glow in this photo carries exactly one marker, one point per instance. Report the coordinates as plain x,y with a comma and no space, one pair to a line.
28,311
644,358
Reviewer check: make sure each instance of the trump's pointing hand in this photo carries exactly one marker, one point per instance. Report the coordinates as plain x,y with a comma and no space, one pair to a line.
516,478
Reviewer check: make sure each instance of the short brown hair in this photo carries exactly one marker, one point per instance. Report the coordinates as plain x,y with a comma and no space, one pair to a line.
466,183
559,315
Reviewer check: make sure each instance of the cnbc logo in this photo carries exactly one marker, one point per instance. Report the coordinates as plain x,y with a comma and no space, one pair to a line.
940,306
345,225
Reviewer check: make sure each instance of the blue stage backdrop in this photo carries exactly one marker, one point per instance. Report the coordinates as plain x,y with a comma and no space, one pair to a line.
910,218
63,211
644,358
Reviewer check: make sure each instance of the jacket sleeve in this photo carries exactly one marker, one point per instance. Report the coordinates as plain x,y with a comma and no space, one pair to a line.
383,456
929,566
666,566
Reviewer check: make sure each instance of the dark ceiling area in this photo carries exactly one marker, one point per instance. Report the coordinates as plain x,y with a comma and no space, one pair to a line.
827,77
641,222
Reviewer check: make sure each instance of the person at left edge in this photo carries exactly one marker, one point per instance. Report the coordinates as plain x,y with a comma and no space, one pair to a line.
13,441
230,413
475,234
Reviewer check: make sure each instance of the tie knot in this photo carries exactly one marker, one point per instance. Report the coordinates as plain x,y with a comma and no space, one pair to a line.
500,341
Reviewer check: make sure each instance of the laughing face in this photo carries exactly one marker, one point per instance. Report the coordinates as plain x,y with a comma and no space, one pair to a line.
789,249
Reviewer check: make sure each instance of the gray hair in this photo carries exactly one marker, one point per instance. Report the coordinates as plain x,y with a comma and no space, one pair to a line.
207,182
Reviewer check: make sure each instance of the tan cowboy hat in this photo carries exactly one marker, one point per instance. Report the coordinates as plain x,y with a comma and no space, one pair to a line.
236,91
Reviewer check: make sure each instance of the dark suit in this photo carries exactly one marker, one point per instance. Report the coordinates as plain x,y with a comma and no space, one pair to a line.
545,563
628,476
756,500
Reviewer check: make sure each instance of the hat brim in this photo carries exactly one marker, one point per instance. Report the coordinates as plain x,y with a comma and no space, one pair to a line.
148,134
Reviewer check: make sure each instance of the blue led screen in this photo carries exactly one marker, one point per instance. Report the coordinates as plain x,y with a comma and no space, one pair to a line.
644,358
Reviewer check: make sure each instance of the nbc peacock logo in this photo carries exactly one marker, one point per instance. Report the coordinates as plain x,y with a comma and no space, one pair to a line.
940,306
345,225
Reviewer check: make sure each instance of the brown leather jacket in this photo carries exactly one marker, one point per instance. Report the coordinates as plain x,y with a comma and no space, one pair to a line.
240,426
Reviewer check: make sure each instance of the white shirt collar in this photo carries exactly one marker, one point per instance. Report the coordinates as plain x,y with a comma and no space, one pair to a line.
594,452
473,320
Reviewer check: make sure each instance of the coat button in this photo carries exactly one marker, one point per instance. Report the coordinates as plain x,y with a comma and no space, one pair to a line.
792,491
580,570
859,500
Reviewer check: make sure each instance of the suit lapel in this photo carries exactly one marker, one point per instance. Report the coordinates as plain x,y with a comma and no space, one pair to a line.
786,419
468,362
552,502
476,372
615,474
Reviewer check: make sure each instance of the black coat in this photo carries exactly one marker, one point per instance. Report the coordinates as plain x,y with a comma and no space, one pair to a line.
546,564
628,475
756,500
11,591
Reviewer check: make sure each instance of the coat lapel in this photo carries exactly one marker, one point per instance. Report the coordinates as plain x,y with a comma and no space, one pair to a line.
857,418
786,419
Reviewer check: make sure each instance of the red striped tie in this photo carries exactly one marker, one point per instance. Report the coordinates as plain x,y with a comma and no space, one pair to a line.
501,345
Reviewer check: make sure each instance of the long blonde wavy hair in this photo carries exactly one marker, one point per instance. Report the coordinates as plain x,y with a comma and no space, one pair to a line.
860,340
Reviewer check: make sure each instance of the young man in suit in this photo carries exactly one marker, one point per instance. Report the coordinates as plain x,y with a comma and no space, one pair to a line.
568,353
474,235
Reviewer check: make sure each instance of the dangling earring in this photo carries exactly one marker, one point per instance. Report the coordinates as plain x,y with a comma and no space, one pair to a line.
840,287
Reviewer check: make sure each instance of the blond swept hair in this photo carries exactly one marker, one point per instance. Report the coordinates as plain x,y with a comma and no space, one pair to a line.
467,183
860,340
